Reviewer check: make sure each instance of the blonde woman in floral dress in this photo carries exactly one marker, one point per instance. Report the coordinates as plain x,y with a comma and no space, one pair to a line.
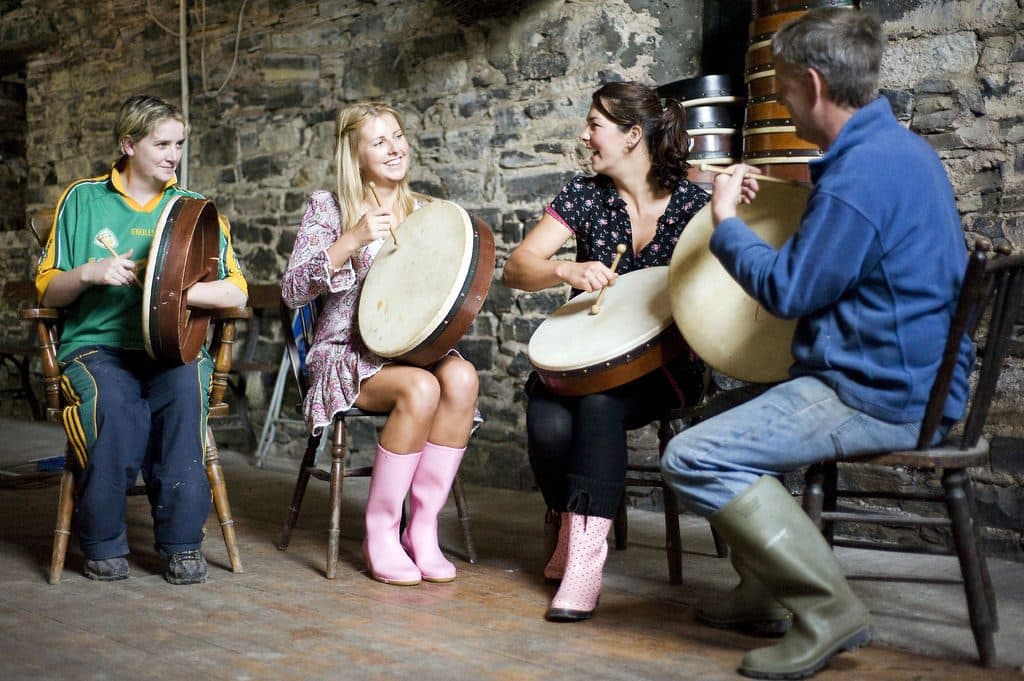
432,410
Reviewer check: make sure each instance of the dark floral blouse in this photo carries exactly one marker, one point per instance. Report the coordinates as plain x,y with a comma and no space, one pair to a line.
592,209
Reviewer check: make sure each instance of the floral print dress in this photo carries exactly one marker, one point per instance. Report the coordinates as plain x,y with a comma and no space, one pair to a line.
338,360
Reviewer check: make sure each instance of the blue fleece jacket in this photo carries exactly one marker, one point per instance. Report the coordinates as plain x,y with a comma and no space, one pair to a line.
873,272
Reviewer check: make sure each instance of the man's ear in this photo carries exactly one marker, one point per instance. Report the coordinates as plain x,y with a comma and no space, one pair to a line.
818,86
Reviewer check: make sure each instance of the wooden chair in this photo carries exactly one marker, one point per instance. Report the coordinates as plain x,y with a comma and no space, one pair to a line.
992,288
649,475
298,335
46,322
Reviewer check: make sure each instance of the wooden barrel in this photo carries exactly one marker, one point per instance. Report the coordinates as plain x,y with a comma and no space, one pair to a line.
769,138
765,7
707,89
762,85
714,119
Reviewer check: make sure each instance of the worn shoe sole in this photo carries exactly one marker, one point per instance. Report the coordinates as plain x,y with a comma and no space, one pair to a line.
104,578
566,615
858,639
767,628
185,580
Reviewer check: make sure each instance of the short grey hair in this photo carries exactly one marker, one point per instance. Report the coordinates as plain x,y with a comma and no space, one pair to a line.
844,45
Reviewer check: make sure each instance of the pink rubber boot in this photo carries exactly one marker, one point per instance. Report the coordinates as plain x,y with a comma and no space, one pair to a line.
555,568
429,492
581,584
388,562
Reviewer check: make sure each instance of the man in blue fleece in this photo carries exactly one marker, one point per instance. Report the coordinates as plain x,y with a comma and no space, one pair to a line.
873,275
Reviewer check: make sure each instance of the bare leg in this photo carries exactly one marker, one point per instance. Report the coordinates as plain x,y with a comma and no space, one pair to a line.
411,396
459,387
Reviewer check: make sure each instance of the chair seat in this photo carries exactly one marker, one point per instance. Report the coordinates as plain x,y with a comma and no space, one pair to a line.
936,457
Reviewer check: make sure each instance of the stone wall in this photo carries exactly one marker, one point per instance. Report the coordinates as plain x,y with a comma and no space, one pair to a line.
493,95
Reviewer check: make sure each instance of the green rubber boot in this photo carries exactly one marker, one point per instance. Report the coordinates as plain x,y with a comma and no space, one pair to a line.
783,548
748,607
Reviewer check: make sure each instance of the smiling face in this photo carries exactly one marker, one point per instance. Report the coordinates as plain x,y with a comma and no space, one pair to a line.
605,140
154,158
383,151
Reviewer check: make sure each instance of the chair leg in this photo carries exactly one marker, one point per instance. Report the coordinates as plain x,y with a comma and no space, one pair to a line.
830,498
972,562
814,492
337,480
986,579
26,388
61,534
621,525
721,546
673,540
308,460
215,475
459,492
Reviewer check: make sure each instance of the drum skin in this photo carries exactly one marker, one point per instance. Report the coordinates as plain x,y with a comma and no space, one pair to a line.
578,353
723,325
420,297
185,250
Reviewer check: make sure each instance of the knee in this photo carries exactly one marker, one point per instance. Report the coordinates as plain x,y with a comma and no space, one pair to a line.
681,458
420,394
549,435
459,382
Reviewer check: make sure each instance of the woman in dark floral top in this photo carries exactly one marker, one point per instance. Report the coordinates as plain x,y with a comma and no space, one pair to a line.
638,196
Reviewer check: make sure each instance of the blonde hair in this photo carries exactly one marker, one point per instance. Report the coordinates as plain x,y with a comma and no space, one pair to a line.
351,189
139,116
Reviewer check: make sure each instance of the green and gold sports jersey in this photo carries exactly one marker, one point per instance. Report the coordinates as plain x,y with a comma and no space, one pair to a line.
96,211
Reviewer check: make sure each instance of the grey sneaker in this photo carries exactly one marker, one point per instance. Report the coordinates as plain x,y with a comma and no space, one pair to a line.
107,569
186,567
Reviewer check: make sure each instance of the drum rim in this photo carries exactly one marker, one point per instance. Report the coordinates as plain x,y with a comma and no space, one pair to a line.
150,328
693,240
190,324
439,323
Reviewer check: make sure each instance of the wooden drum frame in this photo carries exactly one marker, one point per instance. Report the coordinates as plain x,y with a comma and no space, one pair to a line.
185,250
578,353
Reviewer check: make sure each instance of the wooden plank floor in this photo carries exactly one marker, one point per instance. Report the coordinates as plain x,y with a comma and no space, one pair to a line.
283,620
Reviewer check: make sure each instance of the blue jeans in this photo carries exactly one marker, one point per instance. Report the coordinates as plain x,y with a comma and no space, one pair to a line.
791,425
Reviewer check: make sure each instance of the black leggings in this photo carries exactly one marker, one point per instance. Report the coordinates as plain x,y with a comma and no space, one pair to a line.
577,445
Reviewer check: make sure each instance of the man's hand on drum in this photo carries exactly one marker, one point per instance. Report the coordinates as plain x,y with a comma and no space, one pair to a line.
735,186
374,225
586,276
112,271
